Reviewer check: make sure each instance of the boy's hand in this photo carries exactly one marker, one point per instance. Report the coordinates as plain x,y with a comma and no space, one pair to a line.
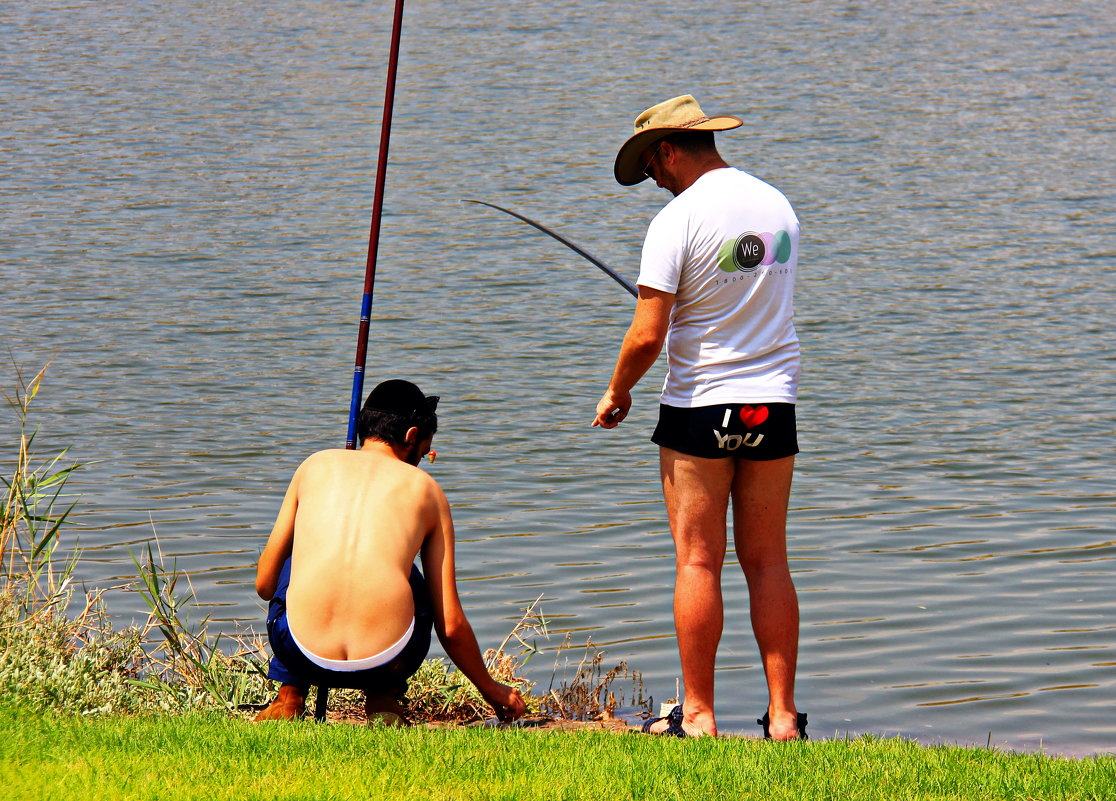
506,702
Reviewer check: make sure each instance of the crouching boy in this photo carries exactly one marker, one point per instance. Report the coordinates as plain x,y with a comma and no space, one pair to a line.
348,607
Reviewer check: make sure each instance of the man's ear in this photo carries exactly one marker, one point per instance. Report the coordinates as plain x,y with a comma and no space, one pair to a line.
412,435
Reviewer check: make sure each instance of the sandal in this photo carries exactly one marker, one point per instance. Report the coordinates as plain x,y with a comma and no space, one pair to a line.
674,723
765,721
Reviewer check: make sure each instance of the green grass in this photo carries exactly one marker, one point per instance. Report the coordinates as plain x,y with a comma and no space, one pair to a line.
213,756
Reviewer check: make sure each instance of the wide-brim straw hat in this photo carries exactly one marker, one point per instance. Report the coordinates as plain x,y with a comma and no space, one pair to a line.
677,114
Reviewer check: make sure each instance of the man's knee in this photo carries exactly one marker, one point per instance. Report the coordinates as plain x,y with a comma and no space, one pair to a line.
711,563
761,553
764,567
696,550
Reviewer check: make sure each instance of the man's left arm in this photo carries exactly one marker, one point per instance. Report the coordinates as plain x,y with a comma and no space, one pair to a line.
642,345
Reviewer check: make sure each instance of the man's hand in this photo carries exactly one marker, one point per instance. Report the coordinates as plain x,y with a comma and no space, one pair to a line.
612,408
641,348
506,702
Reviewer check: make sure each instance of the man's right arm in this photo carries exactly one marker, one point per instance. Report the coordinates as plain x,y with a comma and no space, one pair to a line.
450,623
279,544
642,345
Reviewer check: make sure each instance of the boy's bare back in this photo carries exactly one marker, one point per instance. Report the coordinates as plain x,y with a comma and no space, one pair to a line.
345,587
361,518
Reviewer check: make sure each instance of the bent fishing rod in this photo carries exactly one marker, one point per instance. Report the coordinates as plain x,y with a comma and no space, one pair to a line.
611,273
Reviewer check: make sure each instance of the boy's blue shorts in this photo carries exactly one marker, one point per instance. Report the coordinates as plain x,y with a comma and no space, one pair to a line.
290,666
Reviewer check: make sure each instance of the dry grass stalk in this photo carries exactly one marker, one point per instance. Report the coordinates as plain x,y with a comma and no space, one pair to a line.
590,694
438,694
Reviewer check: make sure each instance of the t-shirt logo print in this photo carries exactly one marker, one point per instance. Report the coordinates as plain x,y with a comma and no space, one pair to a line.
751,250
748,252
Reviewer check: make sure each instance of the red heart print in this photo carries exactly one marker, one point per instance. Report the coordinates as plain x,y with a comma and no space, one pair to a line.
752,416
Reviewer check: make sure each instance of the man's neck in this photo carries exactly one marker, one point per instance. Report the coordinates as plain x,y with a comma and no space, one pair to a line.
700,167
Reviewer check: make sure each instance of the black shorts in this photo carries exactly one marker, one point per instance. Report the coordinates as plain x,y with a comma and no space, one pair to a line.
758,432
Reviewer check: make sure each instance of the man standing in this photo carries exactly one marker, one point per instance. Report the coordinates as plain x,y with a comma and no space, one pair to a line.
348,608
716,285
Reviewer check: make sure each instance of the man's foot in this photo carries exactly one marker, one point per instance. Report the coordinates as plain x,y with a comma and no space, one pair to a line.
289,705
677,724
384,709
789,726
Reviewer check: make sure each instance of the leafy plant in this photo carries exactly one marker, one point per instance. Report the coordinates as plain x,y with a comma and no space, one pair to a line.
54,658
189,663
30,520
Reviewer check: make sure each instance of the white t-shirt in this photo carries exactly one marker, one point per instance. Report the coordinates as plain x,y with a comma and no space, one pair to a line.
727,247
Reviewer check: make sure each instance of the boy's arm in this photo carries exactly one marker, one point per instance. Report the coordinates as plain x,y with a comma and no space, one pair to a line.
450,623
279,544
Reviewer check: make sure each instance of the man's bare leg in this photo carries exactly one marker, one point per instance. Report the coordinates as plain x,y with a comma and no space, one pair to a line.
760,493
697,492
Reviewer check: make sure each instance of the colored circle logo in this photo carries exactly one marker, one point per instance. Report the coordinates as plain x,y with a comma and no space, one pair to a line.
751,250
781,244
748,252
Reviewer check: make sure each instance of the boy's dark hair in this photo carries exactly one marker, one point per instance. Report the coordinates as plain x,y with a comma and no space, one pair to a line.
392,408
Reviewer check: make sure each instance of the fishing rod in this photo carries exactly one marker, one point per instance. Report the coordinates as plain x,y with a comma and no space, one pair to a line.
374,232
611,273
322,700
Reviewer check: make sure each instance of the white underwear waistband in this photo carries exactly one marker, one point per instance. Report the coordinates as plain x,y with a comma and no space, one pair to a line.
349,665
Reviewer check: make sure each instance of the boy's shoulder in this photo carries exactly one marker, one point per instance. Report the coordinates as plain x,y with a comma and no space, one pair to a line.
324,457
321,464
332,459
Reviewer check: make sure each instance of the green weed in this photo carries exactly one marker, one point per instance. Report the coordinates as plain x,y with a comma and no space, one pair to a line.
30,518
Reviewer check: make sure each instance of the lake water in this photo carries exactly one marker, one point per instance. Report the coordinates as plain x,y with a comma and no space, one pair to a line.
183,220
